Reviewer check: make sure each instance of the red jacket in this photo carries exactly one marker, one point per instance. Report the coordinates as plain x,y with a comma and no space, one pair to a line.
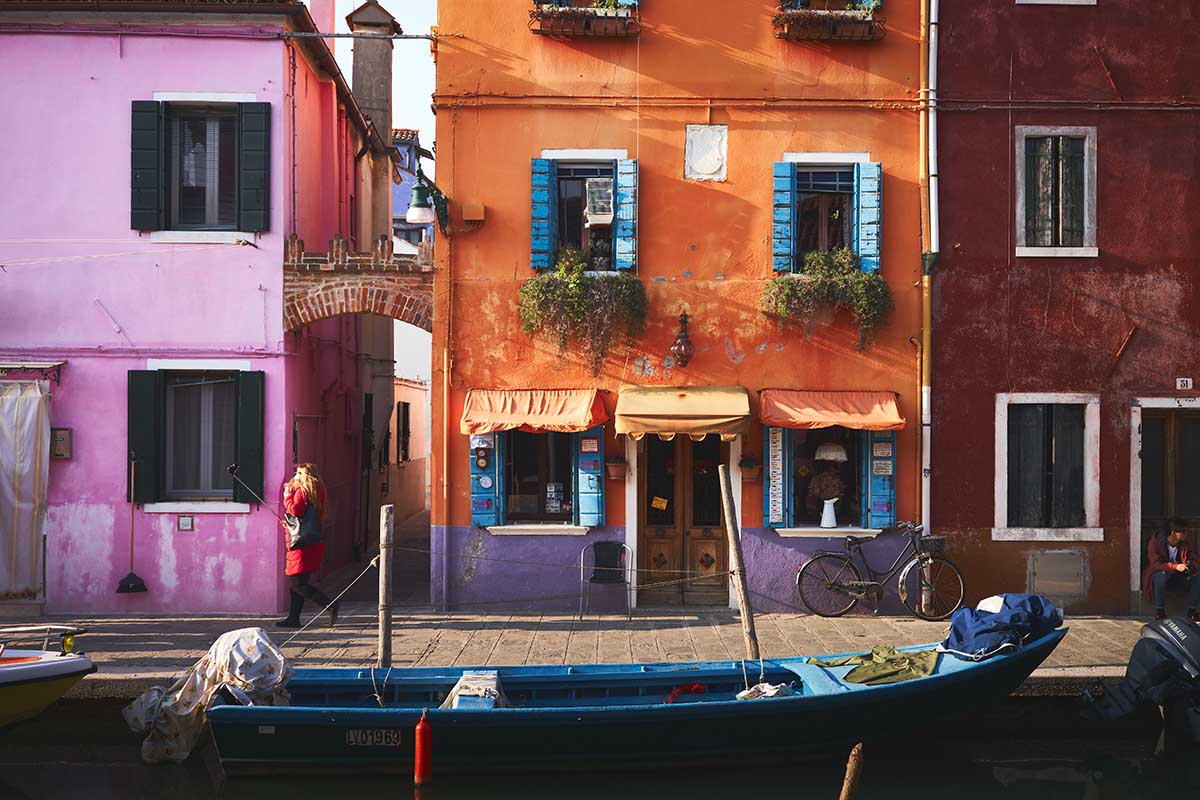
304,559
1159,560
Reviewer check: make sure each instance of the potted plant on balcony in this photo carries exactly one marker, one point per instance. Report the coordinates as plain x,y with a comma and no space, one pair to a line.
830,280
569,304
751,468
614,468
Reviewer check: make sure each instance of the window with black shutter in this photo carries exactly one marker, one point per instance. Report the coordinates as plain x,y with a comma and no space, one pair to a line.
1046,465
200,166
404,439
1054,191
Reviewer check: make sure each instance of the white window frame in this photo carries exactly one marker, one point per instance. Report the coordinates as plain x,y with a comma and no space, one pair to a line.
1088,134
1091,531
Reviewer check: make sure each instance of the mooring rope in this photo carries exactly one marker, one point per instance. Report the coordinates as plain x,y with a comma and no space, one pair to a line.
373,562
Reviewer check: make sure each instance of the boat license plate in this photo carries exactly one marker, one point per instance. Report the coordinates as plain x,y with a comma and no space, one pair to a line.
373,737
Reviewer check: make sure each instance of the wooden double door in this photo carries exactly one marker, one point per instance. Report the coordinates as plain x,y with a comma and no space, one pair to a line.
681,522
1170,471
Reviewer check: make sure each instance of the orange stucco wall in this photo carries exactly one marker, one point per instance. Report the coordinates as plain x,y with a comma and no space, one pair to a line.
504,94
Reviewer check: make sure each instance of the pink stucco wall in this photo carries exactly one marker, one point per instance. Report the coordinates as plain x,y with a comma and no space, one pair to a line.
80,285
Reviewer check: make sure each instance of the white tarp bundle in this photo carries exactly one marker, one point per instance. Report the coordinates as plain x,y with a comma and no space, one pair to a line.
24,465
245,661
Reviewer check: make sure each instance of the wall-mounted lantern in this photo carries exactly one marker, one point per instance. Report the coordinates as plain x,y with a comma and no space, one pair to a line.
681,348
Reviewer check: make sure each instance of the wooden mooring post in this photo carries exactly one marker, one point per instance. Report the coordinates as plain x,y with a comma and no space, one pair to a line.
386,520
853,769
738,566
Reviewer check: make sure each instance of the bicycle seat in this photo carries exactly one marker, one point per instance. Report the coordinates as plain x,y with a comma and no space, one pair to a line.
857,540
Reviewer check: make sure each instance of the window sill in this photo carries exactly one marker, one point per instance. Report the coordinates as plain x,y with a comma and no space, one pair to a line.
197,507
538,529
827,533
1047,534
201,237
1058,252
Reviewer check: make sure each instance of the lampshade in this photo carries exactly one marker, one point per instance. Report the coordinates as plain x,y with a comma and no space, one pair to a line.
419,209
830,451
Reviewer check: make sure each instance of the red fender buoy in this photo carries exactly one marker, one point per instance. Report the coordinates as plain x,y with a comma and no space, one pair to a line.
422,753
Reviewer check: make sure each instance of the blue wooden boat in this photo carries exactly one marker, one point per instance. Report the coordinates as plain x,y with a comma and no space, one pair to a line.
567,716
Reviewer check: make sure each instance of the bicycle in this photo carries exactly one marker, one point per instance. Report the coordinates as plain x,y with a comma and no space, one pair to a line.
931,587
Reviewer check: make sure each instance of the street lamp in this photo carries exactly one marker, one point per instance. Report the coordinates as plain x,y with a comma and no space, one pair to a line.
420,211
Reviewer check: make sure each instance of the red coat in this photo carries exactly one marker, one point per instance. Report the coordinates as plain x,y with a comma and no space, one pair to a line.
1159,560
304,559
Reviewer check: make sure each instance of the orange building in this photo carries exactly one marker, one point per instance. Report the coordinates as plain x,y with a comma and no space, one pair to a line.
706,152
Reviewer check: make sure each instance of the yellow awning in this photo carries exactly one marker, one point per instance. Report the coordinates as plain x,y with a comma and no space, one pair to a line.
537,410
792,408
692,410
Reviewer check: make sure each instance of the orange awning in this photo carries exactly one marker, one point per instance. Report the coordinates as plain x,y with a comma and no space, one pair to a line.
868,411
536,410
695,411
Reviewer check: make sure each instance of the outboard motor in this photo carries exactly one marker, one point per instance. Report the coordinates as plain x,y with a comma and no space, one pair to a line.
1163,670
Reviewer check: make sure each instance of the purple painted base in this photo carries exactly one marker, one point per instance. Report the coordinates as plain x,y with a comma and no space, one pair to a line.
473,570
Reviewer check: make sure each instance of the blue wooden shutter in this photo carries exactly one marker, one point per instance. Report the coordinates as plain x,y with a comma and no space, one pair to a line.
777,476
254,166
881,478
487,493
589,476
148,174
625,237
868,207
783,240
543,226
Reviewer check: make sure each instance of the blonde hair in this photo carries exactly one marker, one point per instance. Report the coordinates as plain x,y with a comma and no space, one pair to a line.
307,481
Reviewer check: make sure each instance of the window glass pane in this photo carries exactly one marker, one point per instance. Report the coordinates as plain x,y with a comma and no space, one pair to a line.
706,481
570,213
822,221
827,180
538,476
837,221
224,411
808,224
193,153
1066,470
815,480
1071,179
203,147
184,438
660,481
1040,192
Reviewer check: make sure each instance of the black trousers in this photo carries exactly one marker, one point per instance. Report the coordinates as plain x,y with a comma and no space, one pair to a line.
301,590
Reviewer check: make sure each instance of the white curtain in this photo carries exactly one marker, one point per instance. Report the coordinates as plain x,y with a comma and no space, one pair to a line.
24,464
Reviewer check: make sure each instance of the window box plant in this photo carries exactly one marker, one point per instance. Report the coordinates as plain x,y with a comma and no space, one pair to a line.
569,304
602,18
831,279
615,468
751,468
829,20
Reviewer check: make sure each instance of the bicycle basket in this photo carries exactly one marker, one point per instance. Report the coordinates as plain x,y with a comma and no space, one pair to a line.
933,544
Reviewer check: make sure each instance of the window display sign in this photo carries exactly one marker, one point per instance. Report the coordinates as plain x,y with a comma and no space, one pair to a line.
881,450
775,473
589,445
881,467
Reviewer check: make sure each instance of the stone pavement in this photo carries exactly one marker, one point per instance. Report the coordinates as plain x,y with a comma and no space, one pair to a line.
134,653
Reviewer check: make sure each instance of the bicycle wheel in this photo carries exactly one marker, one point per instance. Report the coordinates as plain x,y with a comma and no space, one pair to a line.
820,583
933,591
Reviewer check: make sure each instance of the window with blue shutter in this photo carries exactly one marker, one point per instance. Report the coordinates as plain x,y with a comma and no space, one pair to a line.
487,474
783,220
790,469
879,476
868,206
543,231
588,454
625,237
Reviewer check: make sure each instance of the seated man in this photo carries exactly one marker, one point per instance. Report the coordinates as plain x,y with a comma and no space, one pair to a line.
1170,564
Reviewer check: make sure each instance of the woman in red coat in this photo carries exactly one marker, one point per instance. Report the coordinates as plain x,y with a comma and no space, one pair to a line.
305,489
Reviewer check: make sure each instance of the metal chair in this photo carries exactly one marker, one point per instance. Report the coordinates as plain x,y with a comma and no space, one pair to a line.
612,564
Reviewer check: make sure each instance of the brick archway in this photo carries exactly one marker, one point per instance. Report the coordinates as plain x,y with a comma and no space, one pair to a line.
318,285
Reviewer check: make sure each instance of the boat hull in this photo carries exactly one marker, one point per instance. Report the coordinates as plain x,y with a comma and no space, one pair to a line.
829,716
30,680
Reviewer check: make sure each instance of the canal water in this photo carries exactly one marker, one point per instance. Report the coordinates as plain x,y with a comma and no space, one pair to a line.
1026,747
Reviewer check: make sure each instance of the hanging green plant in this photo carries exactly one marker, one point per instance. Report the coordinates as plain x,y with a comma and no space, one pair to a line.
569,304
830,279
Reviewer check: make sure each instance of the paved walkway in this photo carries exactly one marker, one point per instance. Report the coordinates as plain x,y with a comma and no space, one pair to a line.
134,653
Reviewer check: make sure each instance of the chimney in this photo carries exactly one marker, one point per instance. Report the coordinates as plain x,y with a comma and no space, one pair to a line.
373,64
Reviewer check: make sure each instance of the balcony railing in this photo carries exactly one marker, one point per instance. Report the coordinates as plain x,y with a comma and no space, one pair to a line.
571,21
829,20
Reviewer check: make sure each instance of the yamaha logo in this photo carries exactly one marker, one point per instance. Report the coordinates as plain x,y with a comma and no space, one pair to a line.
1178,631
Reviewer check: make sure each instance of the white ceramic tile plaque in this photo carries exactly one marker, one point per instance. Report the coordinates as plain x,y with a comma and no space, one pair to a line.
705,153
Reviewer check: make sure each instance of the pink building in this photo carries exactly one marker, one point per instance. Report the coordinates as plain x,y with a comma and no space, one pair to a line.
163,155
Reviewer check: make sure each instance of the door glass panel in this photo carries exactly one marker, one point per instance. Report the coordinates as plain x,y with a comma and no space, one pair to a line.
1187,468
1153,463
706,483
660,481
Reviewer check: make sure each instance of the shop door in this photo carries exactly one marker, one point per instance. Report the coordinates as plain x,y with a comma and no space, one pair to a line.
682,524
1170,471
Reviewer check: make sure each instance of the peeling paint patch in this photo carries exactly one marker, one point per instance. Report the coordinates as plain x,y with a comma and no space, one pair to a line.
168,574
762,348
687,273
79,548
736,356
474,552
779,347
643,367
720,276
659,279
668,362
236,532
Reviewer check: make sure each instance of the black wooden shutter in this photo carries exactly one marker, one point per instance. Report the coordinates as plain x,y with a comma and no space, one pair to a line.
254,166
145,436
248,434
1027,465
405,430
1066,474
148,181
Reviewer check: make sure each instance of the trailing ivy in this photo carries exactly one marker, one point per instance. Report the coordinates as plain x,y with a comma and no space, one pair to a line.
568,304
830,279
